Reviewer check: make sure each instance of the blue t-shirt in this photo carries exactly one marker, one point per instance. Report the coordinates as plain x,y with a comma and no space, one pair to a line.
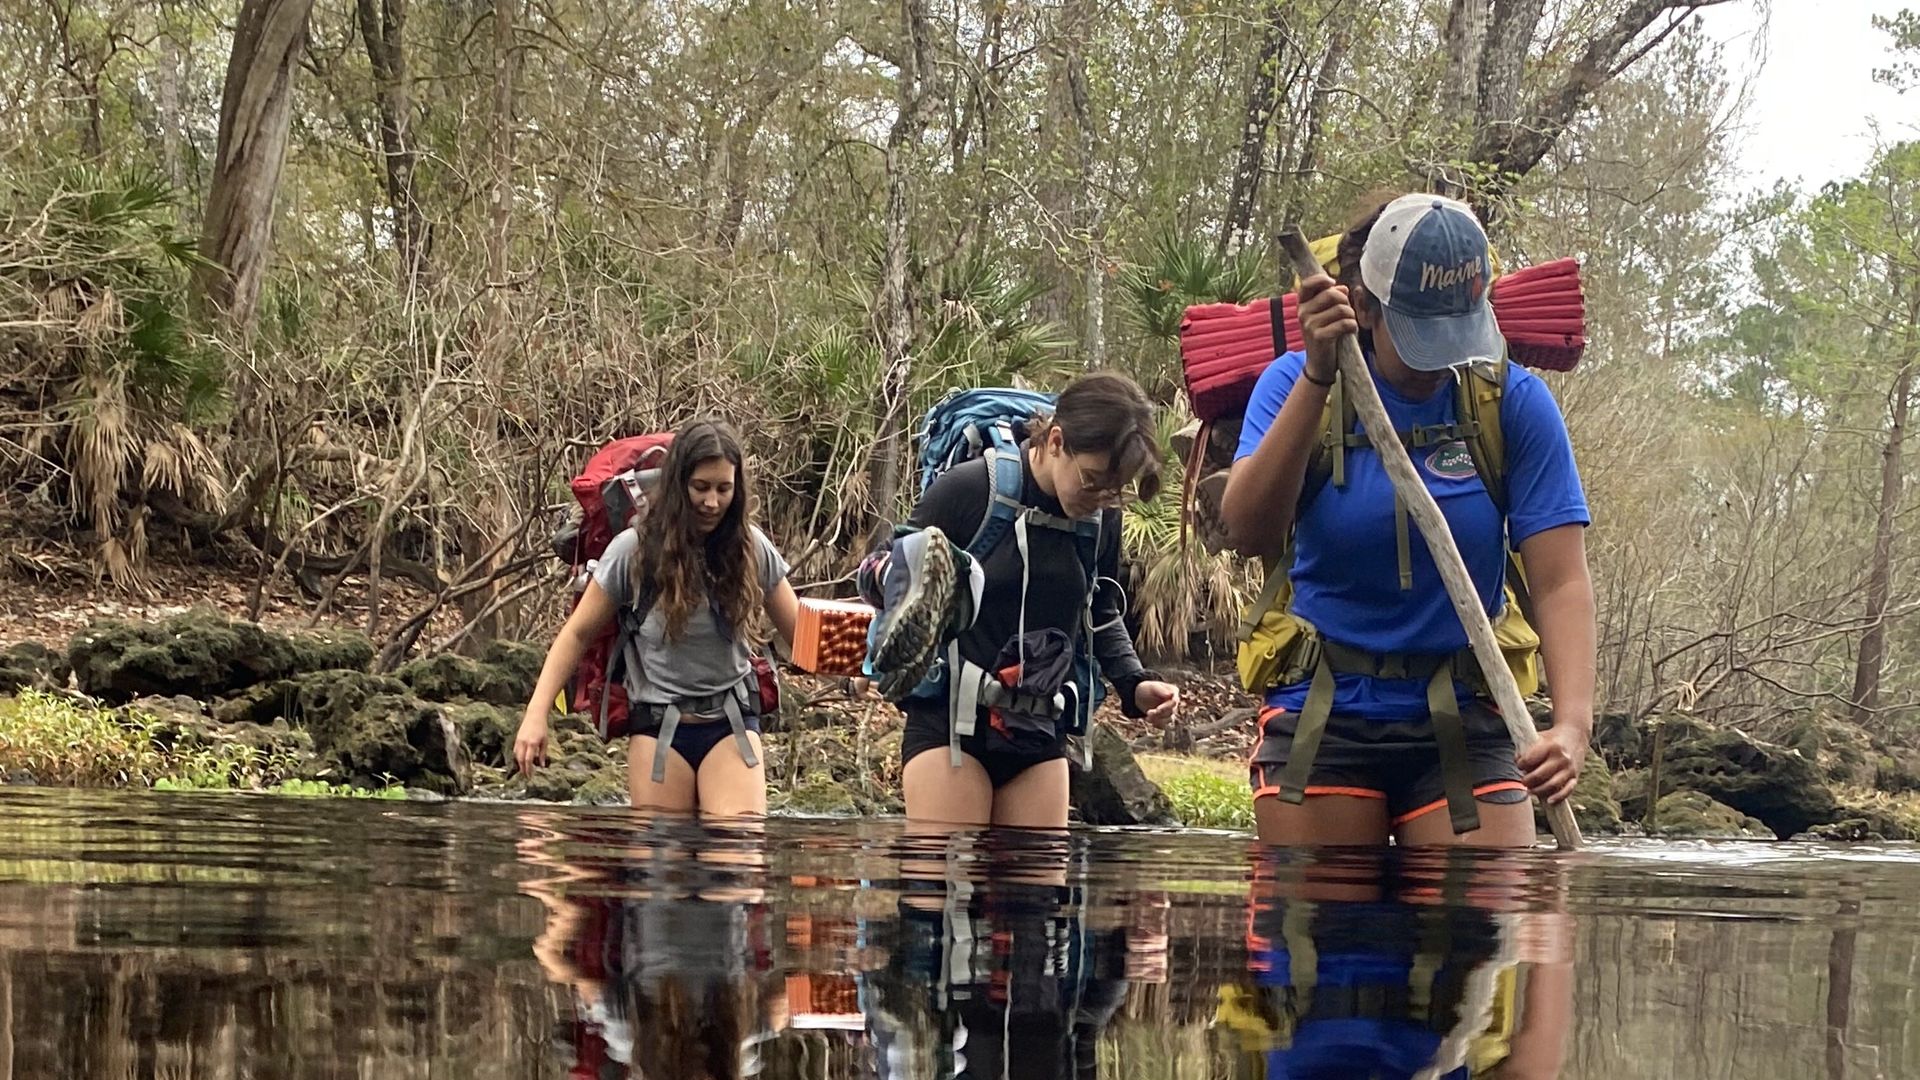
1346,570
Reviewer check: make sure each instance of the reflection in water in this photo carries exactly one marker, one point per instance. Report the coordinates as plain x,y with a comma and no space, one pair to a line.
1435,965
171,936
989,957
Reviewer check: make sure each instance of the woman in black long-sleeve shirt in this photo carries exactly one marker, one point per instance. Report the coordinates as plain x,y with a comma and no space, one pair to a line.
1077,468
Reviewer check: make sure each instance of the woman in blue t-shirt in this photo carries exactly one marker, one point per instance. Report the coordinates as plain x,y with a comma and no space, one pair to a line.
1414,275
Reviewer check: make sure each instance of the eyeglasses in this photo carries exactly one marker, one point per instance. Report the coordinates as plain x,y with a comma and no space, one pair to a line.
1102,493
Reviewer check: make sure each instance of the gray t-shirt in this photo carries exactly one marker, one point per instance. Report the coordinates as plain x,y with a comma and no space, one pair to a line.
701,662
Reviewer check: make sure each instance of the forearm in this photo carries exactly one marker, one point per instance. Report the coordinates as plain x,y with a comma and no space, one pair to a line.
1264,487
1565,611
1121,665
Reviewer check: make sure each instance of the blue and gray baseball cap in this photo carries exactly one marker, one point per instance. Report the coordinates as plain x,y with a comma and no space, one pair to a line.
1426,262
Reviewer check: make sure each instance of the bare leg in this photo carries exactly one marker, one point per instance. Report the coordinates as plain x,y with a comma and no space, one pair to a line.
1348,820
676,793
1502,825
728,786
936,791
1035,799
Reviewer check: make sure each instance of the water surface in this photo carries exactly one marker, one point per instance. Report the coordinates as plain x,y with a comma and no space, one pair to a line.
182,935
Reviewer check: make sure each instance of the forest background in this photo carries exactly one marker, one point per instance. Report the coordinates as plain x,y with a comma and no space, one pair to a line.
340,292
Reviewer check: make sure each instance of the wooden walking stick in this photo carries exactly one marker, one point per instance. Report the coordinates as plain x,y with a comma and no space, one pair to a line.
1433,527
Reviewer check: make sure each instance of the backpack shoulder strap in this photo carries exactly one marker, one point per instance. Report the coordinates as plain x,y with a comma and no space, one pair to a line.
635,614
1327,459
1005,479
1480,390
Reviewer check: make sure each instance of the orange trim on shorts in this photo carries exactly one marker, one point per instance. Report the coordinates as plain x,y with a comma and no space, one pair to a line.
1265,791
1483,789
1260,719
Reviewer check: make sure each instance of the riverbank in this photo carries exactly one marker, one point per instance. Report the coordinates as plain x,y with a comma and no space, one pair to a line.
196,699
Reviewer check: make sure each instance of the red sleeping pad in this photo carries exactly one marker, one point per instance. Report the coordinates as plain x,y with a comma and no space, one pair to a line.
1225,347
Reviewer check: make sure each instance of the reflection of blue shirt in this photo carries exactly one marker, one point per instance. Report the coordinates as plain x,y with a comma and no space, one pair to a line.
1359,1047
1346,575
1377,1048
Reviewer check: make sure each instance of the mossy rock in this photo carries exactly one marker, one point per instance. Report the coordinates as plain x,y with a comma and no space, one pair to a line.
31,665
487,731
1848,831
1114,791
1897,772
1776,784
1692,815
607,787
394,739
1595,809
202,655
315,696
818,793
504,674
1630,793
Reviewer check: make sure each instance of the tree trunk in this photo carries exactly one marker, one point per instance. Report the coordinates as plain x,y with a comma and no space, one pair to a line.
173,154
896,339
1087,223
1323,83
383,28
739,150
1502,63
1257,117
1466,40
1873,644
255,115
914,94
494,515
1056,157
1511,150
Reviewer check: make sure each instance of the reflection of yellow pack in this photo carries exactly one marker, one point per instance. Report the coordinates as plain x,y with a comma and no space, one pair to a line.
1253,1028
1278,648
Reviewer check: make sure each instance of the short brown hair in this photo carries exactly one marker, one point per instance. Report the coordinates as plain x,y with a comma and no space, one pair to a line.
1107,412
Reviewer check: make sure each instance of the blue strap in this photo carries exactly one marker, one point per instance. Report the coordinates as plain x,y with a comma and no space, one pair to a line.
1003,502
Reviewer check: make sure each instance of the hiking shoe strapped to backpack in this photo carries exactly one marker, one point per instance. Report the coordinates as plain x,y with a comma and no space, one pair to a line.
926,590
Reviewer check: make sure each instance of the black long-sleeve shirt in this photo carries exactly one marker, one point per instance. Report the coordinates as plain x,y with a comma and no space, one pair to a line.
1057,586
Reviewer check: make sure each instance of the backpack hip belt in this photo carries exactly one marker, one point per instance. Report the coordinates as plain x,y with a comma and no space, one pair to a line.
734,701
970,686
731,703
1325,659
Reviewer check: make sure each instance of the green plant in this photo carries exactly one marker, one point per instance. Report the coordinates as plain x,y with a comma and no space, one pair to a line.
1183,269
1206,793
323,788
56,741
1181,586
1206,800
93,275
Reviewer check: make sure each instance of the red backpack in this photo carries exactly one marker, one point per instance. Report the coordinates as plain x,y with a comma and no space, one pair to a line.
612,490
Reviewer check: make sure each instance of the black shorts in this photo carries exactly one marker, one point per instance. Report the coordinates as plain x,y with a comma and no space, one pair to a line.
928,728
1395,760
695,738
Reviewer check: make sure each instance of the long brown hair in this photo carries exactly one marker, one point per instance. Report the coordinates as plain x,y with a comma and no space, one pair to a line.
1107,412
683,568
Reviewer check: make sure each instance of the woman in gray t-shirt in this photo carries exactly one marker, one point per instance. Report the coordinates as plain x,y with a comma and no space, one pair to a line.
694,576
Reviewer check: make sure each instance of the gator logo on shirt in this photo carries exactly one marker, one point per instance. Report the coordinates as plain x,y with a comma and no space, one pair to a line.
1451,461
